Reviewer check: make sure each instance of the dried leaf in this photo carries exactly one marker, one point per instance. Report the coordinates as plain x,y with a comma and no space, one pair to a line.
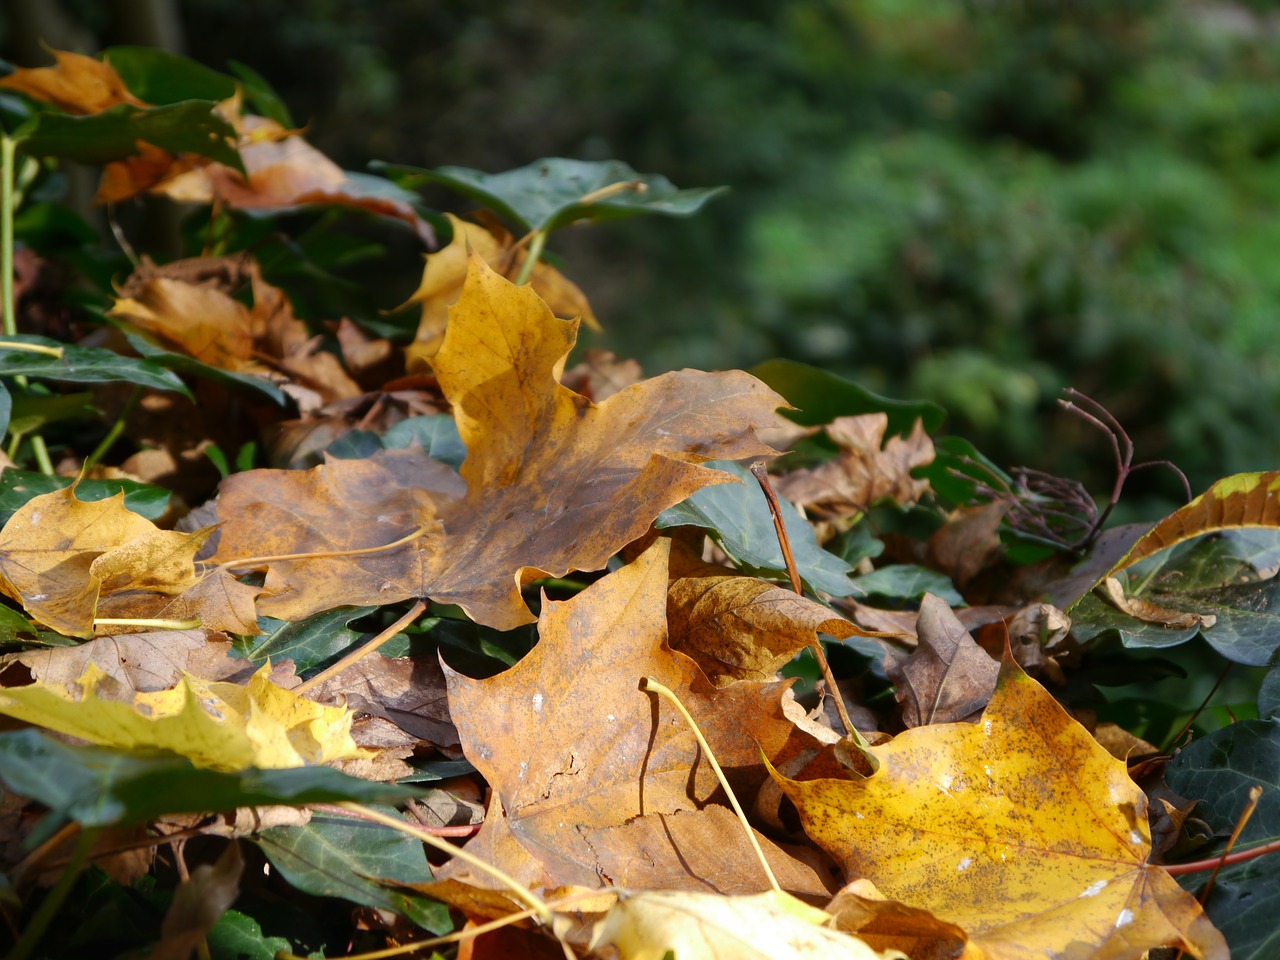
1113,590
569,743
76,84
698,926
553,482
948,677
867,469
221,726
197,904
1020,829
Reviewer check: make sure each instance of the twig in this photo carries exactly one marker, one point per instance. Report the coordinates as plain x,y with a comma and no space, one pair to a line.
363,650
779,526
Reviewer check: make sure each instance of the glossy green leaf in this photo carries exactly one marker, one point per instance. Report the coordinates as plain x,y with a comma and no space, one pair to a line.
19,486
85,365
907,581
336,857
437,433
1269,694
31,411
820,396
548,193
737,517
308,643
6,409
239,937
1214,576
99,787
1220,769
957,469
181,363
160,77
191,126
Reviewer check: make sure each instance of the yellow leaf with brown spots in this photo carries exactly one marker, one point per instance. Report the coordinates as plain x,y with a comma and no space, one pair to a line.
1020,829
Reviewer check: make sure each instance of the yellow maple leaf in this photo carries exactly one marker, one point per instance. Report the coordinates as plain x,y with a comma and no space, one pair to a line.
218,725
1021,829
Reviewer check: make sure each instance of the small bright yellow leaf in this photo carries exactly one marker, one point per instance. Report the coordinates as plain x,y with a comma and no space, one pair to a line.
705,926
446,271
219,725
1020,829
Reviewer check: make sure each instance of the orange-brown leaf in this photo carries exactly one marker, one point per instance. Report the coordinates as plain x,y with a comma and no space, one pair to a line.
553,482
75,83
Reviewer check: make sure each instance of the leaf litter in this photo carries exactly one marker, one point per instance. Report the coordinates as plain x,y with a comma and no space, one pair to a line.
576,531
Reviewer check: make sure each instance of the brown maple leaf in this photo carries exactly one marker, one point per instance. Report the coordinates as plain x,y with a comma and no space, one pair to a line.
551,482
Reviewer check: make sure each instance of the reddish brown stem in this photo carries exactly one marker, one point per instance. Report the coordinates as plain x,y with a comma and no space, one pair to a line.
775,509
1199,866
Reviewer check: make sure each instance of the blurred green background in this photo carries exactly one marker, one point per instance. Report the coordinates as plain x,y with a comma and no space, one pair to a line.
980,203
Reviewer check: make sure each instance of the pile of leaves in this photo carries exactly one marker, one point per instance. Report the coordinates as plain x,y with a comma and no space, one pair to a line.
712,663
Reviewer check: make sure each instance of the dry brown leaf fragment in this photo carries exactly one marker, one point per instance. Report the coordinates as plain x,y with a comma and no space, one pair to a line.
1113,591
569,743
868,468
75,83
948,677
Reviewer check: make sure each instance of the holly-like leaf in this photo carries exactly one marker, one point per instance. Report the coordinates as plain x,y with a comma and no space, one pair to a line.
158,76
551,482
819,397
344,858
1220,769
553,192
85,365
737,516
1021,829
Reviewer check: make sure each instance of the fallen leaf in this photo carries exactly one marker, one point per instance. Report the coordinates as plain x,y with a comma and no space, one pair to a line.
75,83
968,542
569,743
197,904
1148,612
1020,829
741,628
553,482
697,926
140,662
69,561
948,677
217,725
868,468
445,272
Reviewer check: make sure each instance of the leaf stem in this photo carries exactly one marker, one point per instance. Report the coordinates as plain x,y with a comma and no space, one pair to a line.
761,474
363,650
362,812
7,146
1240,856
115,432
531,258
31,348
653,686
323,554
53,901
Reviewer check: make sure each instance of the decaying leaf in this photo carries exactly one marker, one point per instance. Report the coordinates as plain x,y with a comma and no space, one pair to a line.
867,469
1020,829
767,926
742,628
569,742
75,83
218,725
553,482
197,904
69,561
1149,612
948,677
